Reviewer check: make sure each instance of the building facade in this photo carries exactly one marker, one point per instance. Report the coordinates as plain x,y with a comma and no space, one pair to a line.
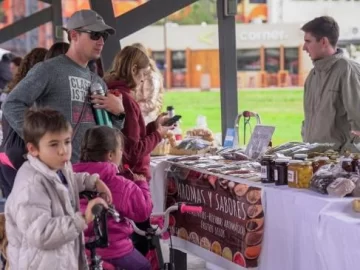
267,54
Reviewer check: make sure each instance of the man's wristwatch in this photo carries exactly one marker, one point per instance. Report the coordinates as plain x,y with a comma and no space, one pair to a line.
120,116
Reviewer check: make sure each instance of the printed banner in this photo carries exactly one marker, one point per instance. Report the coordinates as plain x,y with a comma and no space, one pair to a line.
232,222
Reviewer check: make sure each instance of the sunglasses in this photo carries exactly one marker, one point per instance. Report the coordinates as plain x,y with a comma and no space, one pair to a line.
95,35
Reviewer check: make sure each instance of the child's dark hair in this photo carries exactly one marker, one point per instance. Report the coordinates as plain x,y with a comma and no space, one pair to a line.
98,142
40,121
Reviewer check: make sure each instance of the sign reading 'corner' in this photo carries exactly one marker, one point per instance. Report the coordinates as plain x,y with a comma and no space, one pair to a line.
262,35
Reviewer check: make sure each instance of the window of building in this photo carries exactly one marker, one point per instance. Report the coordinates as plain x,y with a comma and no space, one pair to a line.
272,60
292,60
248,60
178,66
159,58
178,60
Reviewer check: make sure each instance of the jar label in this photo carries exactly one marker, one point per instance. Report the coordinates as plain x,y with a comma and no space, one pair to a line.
264,172
276,177
291,176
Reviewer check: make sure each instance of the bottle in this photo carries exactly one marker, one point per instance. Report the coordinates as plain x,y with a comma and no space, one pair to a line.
201,122
177,131
171,111
101,116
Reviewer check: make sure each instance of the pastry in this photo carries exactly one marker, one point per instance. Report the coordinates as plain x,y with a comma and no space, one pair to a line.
356,205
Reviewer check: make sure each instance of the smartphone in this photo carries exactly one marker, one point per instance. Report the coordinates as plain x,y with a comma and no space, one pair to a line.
172,120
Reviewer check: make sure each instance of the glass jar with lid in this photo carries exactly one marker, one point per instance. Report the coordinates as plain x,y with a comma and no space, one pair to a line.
300,156
356,164
281,171
319,162
346,164
267,169
299,174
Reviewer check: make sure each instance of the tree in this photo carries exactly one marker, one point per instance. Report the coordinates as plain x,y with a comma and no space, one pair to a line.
201,11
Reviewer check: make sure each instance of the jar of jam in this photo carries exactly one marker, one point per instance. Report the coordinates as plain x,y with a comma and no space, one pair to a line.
356,164
299,174
267,169
319,162
346,164
281,171
300,157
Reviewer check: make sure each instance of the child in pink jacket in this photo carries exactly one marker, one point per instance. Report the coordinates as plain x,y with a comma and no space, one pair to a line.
101,153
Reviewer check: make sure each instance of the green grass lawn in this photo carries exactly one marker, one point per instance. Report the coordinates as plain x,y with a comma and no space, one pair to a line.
281,108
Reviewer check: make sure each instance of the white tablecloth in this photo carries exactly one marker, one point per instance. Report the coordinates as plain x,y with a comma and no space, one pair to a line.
339,237
292,226
157,183
304,230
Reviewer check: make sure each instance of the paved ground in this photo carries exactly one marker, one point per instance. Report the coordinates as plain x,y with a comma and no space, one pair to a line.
194,263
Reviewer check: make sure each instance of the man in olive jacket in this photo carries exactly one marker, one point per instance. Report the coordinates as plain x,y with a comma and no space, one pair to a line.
332,89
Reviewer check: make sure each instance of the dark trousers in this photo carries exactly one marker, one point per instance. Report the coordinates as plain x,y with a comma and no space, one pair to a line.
140,242
132,261
7,178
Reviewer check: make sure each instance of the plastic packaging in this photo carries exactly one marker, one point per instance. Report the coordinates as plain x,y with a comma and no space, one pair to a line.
321,180
341,187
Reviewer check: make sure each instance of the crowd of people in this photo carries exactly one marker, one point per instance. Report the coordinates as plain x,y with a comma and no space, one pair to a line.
53,148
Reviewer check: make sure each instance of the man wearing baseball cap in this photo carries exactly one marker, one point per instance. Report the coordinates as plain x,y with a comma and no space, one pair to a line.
63,82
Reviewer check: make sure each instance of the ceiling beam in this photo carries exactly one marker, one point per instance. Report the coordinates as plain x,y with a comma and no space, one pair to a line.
112,45
147,14
26,24
46,1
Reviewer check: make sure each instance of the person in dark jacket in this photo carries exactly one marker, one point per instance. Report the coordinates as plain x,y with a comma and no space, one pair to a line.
5,71
12,144
14,65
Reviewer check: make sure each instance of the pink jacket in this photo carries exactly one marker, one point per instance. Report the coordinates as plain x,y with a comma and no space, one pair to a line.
131,199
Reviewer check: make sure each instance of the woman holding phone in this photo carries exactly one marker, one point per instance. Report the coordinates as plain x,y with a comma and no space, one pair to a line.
124,77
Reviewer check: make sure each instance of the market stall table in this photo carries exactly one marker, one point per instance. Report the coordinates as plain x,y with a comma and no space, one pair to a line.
303,230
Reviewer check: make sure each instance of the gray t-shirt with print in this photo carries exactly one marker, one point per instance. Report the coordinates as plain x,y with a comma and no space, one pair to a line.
58,83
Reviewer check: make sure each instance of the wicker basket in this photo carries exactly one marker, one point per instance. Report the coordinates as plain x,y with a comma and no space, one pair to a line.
162,149
185,152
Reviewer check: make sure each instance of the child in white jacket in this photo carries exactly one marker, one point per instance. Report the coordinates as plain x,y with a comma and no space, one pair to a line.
43,223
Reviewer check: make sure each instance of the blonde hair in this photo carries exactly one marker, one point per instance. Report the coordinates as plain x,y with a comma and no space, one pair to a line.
153,66
123,63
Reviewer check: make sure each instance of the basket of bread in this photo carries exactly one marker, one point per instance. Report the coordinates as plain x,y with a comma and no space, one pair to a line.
163,148
203,133
197,141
